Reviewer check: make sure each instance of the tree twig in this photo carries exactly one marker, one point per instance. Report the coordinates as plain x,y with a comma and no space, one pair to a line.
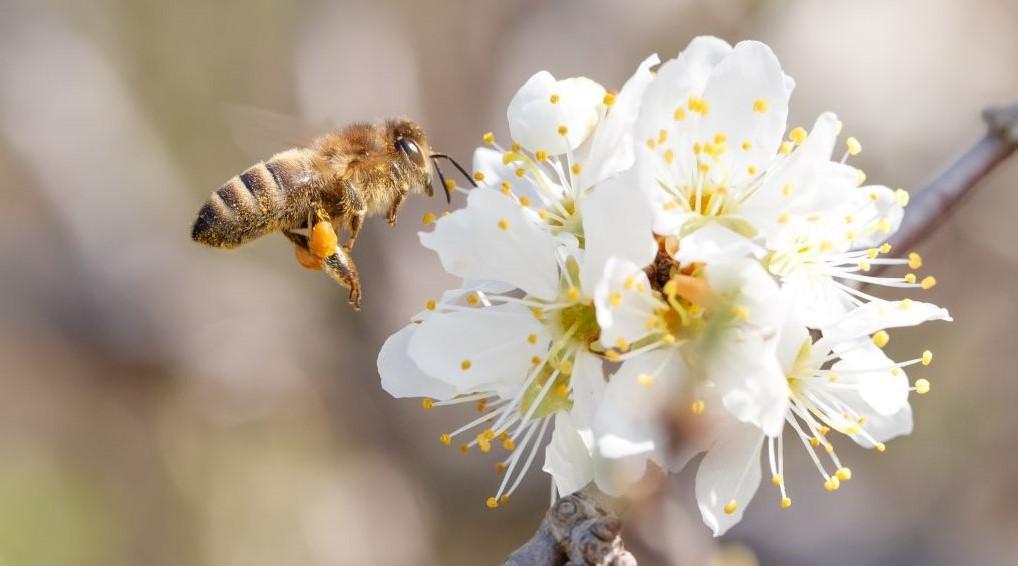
931,204
575,532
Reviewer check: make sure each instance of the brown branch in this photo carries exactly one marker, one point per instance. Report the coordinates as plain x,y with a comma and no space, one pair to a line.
576,531
931,204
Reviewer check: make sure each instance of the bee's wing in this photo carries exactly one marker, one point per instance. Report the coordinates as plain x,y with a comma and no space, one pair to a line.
260,132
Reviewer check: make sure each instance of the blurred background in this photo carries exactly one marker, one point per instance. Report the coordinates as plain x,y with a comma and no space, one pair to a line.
166,404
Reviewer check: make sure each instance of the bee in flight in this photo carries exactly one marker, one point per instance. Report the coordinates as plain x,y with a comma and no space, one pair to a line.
324,189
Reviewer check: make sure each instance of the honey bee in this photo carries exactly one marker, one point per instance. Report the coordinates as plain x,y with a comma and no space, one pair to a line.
325,188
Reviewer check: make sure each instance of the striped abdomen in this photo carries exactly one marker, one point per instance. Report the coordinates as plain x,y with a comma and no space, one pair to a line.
262,199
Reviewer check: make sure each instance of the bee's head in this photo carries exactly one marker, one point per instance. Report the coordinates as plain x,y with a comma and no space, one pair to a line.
411,144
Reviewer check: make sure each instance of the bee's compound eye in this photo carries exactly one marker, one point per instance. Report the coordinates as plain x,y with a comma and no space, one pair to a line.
411,150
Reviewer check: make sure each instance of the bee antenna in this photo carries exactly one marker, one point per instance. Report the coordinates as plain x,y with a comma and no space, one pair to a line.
457,165
441,177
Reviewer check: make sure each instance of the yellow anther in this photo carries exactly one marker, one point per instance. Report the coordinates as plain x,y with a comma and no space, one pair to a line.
478,175
777,480
446,439
826,246
506,188
797,135
542,214
853,145
679,114
669,156
832,483
905,303
651,144
880,447
751,169
895,371
615,298
747,145
509,444
576,169
844,474
536,360
860,178
450,185
429,217
927,357
538,312
786,502
524,201
731,506
613,355
928,282
464,448
500,467
910,278
553,99
786,148
828,447
484,445
922,386
566,367
488,137
662,136
880,338
492,502
759,105
823,430
740,312
915,261
884,225
783,218
814,442
786,190
698,406
622,344
704,167
720,138
541,155
427,404
562,391
902,197
532,338
503,500
503,224
465,365
697,148
864,265
645,379
481,405
668,339
563,130
872,253
515,148
573,294
473,299
609,99
430,305
885,248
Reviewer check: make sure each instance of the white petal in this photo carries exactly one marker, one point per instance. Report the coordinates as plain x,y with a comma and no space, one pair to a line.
616,223
479,348
567,458
629,419
400,375
713,242
588,385
489,163
534,119
624,303
611,150
752,386
749,74
729,472
877,315
876,215
819,300
886,427
471,242
865,365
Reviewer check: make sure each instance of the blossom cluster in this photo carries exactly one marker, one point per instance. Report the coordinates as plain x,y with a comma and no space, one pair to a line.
664,261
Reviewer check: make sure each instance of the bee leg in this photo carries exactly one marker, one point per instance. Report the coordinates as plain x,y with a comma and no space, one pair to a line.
341,268
391,215
358,211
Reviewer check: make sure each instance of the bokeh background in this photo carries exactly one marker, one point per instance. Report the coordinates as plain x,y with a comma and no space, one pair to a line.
165,404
